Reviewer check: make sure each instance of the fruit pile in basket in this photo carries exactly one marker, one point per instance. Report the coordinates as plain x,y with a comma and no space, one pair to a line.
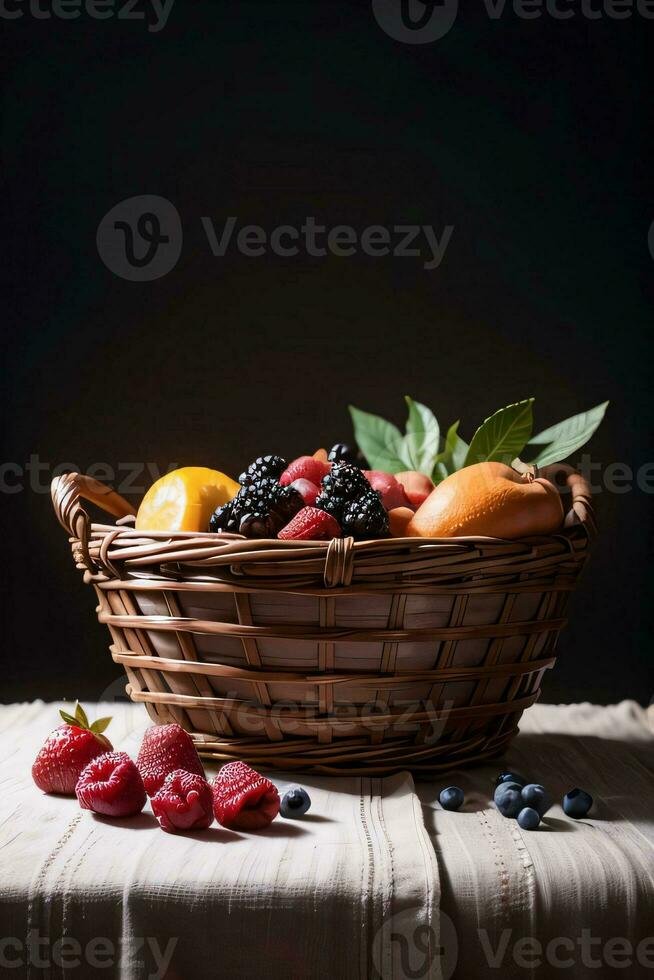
408,486
315,497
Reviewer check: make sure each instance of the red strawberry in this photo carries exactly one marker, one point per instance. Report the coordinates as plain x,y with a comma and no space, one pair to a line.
165,748
184,802
67,750
111,785
305,468
392,492
243,799
307,490
311,524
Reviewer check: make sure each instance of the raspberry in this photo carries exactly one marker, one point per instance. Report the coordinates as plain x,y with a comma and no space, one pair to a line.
305,468
366,517
311,524
164,749
184,802
307,490
111,785
264,467
243,799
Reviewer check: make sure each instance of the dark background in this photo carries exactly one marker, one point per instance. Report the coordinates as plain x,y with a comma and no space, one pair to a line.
532,138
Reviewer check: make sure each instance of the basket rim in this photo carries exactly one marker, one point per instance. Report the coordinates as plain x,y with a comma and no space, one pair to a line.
99,547
132,533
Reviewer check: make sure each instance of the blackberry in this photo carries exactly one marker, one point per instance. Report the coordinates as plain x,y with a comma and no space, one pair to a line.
343,484
264,467
221,518
331,505
345,480
259,510
365,517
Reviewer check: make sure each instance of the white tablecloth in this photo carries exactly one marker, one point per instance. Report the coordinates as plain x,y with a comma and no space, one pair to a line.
303,899
547,903
376,881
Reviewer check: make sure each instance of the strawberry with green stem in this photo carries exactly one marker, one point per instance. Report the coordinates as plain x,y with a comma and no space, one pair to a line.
67,750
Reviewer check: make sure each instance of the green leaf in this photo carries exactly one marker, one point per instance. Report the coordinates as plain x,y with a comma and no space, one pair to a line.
456,447
100,725
562,440
69,719
80,714
420,444
453,456
503,435
380,441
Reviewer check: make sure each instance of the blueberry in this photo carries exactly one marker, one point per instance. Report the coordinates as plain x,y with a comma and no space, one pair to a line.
508,799
577,803
534,795
451,798
342,453
528,818
295,803
510,777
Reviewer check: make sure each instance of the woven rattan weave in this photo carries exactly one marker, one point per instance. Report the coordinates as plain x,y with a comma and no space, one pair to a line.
366,657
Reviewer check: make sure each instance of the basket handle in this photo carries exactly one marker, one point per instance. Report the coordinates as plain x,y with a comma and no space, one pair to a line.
581,511
67,490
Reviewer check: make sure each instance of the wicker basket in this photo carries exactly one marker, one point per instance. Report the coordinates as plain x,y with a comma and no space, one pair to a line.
367,657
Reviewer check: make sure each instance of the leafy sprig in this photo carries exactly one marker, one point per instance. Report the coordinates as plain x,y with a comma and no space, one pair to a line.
503,436
80,720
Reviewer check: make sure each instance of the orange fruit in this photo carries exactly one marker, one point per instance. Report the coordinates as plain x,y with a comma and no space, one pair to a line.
184,500
488,499
398,519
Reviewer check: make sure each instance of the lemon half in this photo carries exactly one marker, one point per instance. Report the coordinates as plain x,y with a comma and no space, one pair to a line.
185,499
